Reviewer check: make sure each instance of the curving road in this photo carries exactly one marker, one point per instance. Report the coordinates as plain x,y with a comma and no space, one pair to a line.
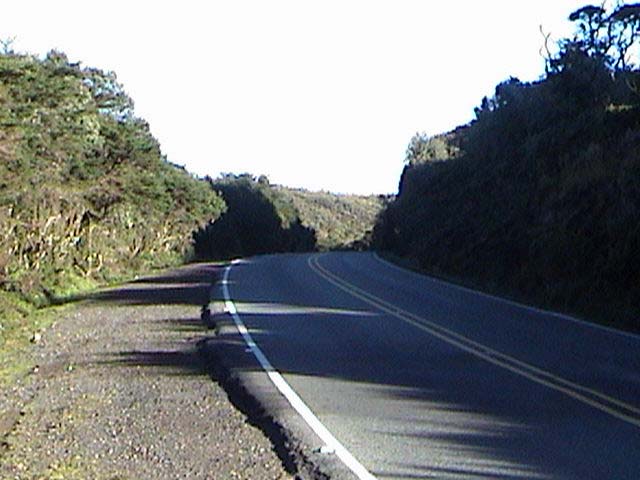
416,378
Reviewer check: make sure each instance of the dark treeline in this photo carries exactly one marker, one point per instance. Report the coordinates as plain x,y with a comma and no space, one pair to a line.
258,219
539,196
265,218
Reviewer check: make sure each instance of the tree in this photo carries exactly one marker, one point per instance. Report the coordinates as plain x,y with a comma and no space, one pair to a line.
108,94
591,24
625,31
6,46
608,39
84,188
258,220
423,149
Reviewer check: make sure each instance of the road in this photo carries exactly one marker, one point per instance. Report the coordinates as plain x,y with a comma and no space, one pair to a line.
417,378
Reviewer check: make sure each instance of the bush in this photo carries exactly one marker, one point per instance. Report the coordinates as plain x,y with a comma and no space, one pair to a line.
541,199
84,189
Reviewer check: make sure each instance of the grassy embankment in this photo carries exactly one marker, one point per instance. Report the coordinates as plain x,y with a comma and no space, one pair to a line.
86,196
87,199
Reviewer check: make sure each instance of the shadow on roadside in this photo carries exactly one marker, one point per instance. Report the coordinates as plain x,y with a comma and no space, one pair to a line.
162,362
188,285
191,286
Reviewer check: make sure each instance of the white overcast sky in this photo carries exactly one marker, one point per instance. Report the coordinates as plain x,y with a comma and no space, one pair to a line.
314,94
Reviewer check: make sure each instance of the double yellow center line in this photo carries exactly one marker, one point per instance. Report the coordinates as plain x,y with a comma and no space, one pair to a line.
612,406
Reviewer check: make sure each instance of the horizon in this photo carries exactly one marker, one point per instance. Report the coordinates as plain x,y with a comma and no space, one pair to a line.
322,97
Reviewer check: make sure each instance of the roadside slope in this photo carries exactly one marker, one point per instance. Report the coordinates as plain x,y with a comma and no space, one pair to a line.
537,197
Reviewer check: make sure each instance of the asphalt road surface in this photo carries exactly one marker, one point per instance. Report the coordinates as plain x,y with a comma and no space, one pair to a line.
417,378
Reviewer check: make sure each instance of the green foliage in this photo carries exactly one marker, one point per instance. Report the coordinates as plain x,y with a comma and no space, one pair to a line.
84,190
258,220
340,221
265,218
541,200
423,148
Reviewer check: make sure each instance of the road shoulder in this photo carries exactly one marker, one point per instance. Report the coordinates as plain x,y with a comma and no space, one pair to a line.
121,391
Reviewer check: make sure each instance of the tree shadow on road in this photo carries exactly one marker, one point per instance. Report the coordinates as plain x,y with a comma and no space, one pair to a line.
186,285
465,437
185,354
190,285
446,418
162,362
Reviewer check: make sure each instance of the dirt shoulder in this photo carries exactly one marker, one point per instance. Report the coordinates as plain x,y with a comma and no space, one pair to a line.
121,391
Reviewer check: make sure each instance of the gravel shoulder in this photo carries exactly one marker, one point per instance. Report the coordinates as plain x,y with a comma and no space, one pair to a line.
121,391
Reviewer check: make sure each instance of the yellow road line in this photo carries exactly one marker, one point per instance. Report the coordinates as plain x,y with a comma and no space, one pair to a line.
288,392
602,402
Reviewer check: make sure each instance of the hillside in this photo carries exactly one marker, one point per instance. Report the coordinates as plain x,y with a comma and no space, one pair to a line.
538,198
338,220
85,193
265,218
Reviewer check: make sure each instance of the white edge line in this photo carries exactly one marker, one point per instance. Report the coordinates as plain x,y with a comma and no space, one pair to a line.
285,389
530,308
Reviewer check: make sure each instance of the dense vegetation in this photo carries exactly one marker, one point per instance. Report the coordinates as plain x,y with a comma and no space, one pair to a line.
85,193
340,221
265,218
258,219
539,196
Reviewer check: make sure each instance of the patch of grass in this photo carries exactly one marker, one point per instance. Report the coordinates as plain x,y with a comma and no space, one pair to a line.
15,334
86,195
22,319
21,323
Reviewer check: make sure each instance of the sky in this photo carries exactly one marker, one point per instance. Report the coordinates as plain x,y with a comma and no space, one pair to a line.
322,95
